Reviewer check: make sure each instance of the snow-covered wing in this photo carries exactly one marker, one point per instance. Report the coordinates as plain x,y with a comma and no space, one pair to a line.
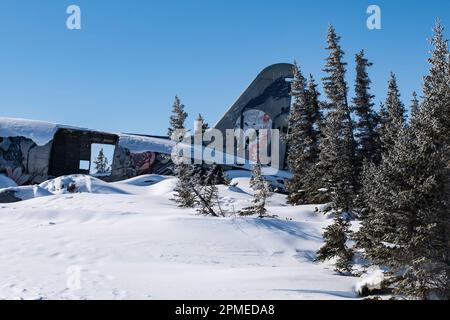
39,131
139,144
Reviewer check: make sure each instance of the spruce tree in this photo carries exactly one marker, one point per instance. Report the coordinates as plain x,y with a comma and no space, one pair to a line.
206,191
367,119
200,125
311,184
196,187
256,179
408,222
316,115
302,137
177,119
337,163
219,175
428,275
262,192
184,193
296,137
297,112
415,106
183,170
101,163
380,191
383,118
376,222
336,236
393,116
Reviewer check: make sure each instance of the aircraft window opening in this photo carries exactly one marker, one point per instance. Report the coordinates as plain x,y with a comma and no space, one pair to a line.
102,156
85,165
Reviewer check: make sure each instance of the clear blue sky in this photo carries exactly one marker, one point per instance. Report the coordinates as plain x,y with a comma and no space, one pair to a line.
121,71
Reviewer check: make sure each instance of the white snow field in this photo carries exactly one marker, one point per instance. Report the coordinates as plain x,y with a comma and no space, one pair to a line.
128,240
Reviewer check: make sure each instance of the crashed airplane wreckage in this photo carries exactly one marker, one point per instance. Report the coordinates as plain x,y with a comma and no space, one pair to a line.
32,152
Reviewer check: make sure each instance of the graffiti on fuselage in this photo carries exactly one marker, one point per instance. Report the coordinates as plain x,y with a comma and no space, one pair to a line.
144,161
27,163
262,123
19,160
11,158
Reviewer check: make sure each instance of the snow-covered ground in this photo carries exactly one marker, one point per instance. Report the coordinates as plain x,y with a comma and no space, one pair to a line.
128,240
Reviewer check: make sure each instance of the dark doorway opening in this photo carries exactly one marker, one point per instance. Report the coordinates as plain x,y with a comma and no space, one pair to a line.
71,151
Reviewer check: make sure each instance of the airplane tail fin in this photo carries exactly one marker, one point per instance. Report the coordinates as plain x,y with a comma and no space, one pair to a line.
265,104
268,93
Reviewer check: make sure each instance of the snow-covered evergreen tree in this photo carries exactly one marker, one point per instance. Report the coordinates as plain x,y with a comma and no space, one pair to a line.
303,136
407,226
177,119
415,106
377,222
337,163
101,163
393,116
197,187
205,188
200,125
316,112
367,119
184,193
335,247
428,275
262,192
311,184
214,174
256,179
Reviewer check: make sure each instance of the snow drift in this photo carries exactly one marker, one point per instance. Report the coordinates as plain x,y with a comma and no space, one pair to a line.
128,240
79,184
16,194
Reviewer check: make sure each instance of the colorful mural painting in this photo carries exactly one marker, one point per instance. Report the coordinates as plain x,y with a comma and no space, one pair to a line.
143,162
255,119
19,160
10,152
25,162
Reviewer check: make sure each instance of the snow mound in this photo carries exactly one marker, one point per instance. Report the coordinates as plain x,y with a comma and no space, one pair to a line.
150,184
16,194
141,245
6,182
79,184
164,187
370,281
142,181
